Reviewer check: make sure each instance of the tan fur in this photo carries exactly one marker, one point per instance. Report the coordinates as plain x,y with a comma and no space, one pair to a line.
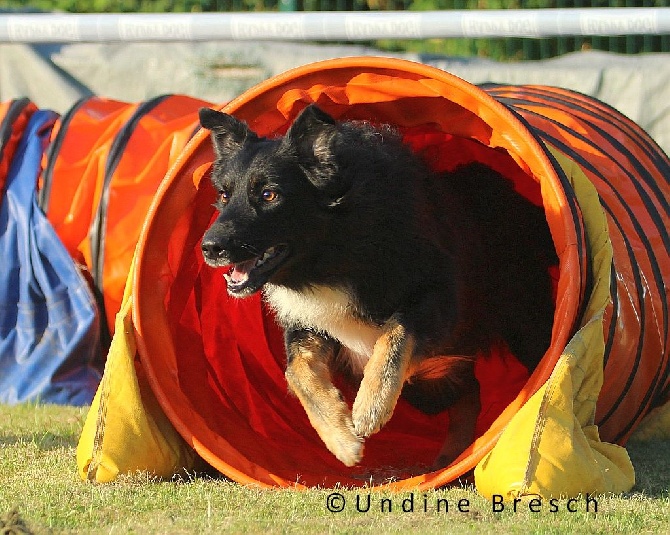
328,309
383,379
308,377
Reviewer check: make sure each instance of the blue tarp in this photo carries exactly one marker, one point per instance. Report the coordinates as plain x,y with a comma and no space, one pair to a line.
49,325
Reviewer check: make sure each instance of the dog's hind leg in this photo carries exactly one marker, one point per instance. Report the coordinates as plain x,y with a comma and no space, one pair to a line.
308,376
462,422
383,379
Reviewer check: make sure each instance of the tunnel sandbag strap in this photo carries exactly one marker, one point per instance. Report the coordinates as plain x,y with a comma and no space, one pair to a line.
125,429
551,447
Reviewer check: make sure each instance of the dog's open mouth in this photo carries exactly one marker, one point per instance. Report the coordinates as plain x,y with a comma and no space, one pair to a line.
247,277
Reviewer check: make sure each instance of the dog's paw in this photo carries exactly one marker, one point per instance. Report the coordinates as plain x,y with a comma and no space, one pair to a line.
341,439
371,411
349,449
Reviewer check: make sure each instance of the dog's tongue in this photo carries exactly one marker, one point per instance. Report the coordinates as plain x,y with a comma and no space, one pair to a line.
241,271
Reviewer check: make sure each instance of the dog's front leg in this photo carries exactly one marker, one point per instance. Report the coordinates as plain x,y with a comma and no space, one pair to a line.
308,375
383,378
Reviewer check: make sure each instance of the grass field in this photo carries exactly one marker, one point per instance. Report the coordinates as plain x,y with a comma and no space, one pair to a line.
41,492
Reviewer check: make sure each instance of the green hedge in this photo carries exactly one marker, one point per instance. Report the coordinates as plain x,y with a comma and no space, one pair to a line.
163,6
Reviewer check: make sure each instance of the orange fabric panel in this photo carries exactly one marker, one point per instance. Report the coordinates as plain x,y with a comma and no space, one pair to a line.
107,162
156,142
78,167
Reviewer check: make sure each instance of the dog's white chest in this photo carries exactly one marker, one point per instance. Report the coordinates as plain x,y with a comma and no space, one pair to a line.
327,310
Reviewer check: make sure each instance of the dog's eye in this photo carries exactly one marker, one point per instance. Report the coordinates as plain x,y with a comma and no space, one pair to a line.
269,195
224,197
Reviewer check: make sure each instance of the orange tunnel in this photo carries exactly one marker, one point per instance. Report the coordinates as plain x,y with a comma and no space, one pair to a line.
216,365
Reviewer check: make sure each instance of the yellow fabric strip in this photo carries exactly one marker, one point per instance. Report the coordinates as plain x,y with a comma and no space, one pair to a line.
551,447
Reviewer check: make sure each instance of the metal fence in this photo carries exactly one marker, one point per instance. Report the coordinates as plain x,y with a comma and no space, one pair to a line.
503,48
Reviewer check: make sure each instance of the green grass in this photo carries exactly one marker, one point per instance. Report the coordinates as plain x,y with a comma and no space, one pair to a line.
39,482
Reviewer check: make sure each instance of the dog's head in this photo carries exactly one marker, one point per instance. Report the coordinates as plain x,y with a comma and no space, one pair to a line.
274,196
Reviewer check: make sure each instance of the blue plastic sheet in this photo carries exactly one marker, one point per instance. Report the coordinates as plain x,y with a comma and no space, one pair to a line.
49,325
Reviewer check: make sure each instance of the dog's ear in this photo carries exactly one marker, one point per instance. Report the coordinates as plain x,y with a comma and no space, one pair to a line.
311,127
228,133
312,137
312,134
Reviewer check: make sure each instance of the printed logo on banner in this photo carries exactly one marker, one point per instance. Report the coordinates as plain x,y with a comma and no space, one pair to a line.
275,27
618,23
136,30
53,28
379,27
491,25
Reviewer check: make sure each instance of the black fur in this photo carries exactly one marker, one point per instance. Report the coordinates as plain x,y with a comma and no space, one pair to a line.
460,258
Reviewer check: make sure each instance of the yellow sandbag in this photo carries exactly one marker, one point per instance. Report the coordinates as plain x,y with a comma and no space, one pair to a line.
551,447
126,430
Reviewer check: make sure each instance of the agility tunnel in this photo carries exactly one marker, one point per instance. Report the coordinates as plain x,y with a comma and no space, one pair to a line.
104,163
74,190
48,317
193,374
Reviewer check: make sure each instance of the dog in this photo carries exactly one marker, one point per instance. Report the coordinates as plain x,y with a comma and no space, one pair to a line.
377,265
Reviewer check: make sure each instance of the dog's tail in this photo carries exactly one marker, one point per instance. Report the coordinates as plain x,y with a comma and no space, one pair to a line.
435,383
435,368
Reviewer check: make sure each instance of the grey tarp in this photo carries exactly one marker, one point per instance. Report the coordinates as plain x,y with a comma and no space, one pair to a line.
54,76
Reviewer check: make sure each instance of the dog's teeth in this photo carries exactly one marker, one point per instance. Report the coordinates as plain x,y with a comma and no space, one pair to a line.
268,254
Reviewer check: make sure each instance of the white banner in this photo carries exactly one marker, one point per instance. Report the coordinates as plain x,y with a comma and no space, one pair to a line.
331,26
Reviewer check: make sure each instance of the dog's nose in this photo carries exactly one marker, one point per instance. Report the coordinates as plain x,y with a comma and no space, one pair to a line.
212,249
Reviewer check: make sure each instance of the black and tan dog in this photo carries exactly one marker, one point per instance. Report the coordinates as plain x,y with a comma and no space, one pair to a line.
370,259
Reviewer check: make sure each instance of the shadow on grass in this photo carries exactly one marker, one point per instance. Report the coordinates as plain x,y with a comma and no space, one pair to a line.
651,461
12,524
44,441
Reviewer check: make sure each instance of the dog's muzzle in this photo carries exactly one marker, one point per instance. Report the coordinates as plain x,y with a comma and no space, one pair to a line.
214,252
247,275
